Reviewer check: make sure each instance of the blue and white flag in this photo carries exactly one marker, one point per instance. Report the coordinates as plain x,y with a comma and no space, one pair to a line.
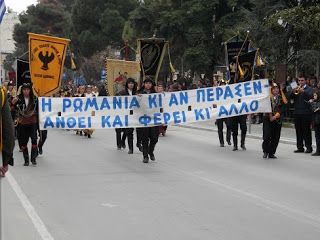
2,9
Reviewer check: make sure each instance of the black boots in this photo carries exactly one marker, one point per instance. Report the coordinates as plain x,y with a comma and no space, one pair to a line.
151,150
130,144
26,157
34,155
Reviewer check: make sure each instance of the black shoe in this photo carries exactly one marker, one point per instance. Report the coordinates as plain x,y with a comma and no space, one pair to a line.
229,143
26,164
221,144
34,162
89,136
80,133
152,157
235,148
265,155
85,134
118,147
40,150
299,151
145,160
123,146
272,156
308,150
130,152
315,154
243,147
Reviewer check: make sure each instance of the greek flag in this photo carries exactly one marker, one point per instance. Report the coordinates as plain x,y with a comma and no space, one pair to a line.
2,9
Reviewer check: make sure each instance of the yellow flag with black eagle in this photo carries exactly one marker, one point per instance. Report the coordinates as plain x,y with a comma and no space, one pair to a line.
46,58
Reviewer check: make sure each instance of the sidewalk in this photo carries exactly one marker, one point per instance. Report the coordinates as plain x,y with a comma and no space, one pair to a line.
288,135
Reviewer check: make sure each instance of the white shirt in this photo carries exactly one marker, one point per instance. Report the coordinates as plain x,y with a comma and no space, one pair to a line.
130,92
26,100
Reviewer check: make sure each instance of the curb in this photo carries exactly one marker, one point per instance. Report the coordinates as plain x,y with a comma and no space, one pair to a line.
249,135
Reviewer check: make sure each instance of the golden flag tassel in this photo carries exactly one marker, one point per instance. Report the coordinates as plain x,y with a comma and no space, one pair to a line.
73,65
170,63
240,71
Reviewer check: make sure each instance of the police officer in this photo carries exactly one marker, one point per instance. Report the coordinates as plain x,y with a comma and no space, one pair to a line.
27,107
272,122
149,135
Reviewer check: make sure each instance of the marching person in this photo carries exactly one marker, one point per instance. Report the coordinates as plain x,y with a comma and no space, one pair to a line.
272,122
27,107
7,134
302,115
220,122
149,135
88,94
315,106
130,89
163,127
235,122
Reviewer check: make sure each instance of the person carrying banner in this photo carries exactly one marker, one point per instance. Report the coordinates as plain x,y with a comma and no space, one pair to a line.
130,89
302,115
220,121
272,122
88,94
163,127
235,122
7,134
148,133
27,107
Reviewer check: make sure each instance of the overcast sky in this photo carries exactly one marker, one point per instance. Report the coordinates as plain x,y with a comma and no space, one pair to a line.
19,5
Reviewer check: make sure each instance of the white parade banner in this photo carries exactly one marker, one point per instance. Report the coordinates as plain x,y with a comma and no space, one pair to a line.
155,109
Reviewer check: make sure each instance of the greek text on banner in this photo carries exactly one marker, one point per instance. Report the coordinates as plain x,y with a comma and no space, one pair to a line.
155,109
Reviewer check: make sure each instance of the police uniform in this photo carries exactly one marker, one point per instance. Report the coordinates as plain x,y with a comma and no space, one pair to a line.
272,122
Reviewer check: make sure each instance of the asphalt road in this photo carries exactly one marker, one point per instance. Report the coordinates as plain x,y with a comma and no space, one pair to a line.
86,189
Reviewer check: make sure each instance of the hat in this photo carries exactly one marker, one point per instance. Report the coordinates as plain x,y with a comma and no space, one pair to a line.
10,83
26,85
274,85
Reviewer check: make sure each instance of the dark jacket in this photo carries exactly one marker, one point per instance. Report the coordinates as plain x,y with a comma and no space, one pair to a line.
27,114
301,105
315,107
7,132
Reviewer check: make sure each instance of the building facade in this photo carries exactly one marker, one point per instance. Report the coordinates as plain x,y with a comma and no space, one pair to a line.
7,44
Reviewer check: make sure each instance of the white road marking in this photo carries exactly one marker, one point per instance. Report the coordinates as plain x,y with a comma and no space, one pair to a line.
37,222
108,205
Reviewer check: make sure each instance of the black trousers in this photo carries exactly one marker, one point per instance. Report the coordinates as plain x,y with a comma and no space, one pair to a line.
317,135
220,129
139,138
302,123
235,122
42,137
121,140
129,134
149,137
28,131
271,135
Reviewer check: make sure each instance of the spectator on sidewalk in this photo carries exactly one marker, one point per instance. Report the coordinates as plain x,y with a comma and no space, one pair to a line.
302,115
315,106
